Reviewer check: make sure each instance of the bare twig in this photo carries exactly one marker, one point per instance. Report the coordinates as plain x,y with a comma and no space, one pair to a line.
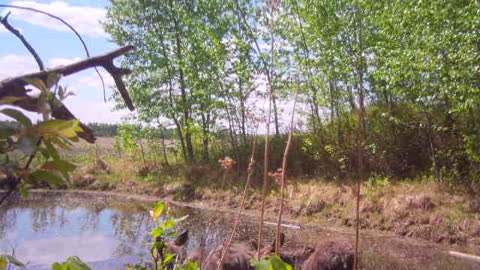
70,27
282,179
19,35
242,204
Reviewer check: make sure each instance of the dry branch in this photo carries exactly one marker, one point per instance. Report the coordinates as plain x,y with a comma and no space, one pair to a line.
16,86
104,60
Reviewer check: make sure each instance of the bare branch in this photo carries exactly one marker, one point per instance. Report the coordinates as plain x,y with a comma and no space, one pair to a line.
16,86
19,35
69,26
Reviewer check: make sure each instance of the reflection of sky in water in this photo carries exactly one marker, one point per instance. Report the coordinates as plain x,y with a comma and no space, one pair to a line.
43,235
45,229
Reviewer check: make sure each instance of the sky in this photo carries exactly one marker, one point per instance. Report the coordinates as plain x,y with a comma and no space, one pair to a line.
57,45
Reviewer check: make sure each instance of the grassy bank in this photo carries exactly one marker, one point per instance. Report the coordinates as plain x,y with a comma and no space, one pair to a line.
420,208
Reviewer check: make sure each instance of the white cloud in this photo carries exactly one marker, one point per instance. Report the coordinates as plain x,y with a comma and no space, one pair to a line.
93,81
85,19
16,64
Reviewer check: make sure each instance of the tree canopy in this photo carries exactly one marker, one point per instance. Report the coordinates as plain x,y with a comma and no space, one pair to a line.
399,79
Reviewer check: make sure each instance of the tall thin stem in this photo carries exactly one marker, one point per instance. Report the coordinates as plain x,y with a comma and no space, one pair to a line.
282,179
265,179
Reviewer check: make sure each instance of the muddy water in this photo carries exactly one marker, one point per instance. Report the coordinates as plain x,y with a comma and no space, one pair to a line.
108,231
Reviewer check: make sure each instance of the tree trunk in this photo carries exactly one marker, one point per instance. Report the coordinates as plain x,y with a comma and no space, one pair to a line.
186,106
164,148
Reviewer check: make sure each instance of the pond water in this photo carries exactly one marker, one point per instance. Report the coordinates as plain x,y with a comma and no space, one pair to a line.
108,231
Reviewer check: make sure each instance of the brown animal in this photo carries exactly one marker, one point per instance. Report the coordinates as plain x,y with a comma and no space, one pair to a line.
198,255
328,254
238,255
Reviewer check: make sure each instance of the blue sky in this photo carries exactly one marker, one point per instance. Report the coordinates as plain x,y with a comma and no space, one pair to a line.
57,45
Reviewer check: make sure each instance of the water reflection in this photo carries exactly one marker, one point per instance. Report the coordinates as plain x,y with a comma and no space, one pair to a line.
43,230
109,231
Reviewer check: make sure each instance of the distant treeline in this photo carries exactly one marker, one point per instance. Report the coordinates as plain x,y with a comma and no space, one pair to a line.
103,129
110,130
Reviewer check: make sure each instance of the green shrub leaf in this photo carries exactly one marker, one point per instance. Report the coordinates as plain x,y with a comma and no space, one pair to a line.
17,115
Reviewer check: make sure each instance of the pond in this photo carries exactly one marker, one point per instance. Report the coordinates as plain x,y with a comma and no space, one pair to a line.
107,231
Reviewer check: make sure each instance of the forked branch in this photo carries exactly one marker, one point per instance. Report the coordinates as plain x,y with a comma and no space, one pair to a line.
16,86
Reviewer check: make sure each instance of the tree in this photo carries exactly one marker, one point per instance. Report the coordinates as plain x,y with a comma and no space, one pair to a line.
58,127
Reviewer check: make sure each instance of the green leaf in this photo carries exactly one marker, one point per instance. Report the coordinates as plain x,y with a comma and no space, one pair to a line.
168,223
61,143
75,263
17,115
279,264
14,261
158,210
168,258
272,263
64,128
261,264
190,266
45,176
3,263
52,79
72,263
56,266
52,151
38,83
23,191
157,231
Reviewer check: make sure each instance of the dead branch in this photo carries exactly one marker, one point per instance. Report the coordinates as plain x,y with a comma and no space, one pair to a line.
19,35
16,86
67,25
9,86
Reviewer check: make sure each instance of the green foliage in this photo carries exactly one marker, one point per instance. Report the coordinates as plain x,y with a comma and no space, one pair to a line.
5,260
163,229
103,129
126,138
29,150
71,263
376,183
271,263
402,87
